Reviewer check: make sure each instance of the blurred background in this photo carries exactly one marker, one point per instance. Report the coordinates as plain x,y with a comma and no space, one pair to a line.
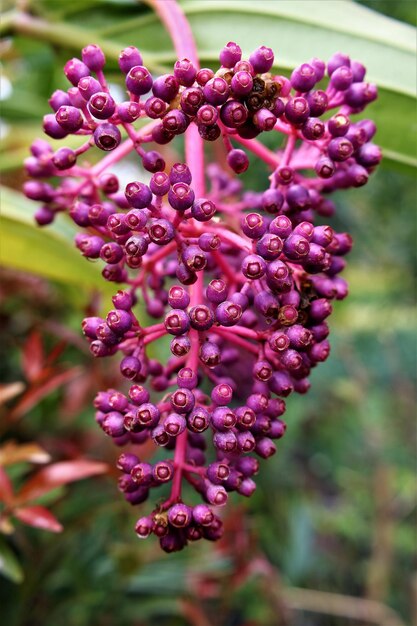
328,539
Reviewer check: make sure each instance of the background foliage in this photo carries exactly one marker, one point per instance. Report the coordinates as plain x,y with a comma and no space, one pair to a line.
335,509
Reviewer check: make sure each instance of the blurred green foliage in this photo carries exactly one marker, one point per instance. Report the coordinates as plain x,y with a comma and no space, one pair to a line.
406,10
335,508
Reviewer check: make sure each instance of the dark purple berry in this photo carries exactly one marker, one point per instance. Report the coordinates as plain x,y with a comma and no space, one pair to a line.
209,133
138,195
166,87
130,367
159,183
313,129
183,400
185,72
64,158
317,102
337,60
178,297
101,105
253,225
238,161
228,314
216,90
177,322
180,196
180,173
191,100
203,210
138,80
233,114
201,317
340,149
160,231
242,83
70,118
175,122
342,78
264,119
304,77
297,110
107,137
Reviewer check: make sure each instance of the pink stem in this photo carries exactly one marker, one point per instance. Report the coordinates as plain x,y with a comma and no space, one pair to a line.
226,141
282,127
230,237
194,155
228,335
225,268
154,337
182,37
246,332
194,469
174,20
269,157
159,254
196,297
179,461
102,80
84,147
289,149
153,329
121,151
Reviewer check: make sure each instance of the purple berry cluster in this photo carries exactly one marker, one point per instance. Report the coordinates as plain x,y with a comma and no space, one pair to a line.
241,282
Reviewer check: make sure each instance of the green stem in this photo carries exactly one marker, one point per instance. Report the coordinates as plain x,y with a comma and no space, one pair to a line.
64,36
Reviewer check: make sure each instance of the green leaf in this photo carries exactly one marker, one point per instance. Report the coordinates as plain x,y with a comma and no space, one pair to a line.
297,31
9,565
46,252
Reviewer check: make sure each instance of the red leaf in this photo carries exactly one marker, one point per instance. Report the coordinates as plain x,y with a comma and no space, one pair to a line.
34,395
57,475
56,352
6,489
38,517
33,357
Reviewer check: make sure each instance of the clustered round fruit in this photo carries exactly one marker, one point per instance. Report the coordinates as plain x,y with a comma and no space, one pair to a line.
240,282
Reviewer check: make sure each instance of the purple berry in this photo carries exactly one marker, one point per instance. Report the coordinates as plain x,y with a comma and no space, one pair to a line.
185,72
230,54
166,87
216,91
180,196
74,70
101,105
107,137
262,59
138,80
128,58
304,77
69,118
93,57
238,161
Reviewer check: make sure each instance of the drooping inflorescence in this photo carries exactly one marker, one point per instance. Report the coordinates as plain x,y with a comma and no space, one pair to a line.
241,282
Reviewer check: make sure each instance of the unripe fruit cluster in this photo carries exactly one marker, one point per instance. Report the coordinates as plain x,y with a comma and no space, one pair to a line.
241,282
